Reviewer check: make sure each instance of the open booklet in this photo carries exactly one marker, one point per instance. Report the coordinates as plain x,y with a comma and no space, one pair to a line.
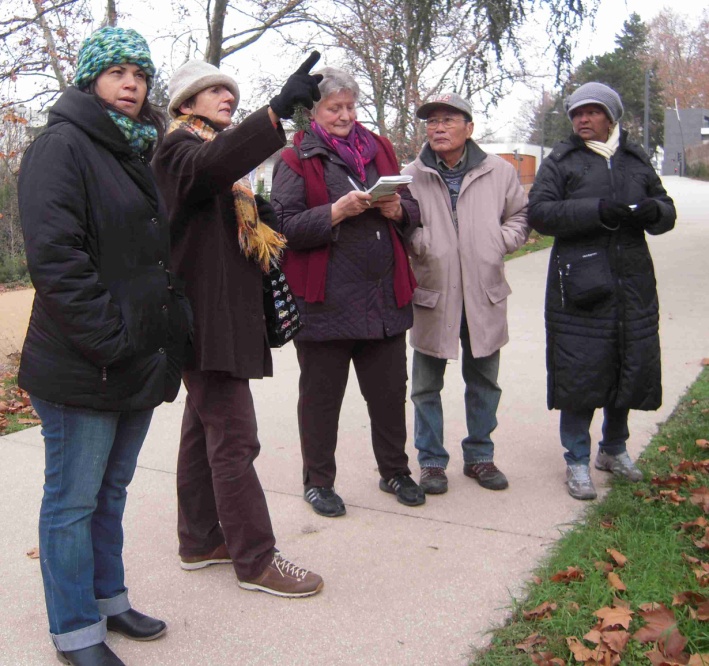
387,185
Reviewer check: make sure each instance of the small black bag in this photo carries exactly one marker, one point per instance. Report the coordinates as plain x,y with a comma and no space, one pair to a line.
282,316
585,275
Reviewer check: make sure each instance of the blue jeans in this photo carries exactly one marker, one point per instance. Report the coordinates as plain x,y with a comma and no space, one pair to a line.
576,439
482,396
90,458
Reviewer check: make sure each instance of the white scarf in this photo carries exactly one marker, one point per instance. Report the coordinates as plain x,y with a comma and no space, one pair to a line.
608,148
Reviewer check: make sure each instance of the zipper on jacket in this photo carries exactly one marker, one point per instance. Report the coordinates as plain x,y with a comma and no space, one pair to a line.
561,281
104,376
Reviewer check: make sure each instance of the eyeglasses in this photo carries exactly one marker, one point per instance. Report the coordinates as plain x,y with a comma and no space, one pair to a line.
446,121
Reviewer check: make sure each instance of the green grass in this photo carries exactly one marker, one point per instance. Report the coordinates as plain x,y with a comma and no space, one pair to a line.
647,533
535,243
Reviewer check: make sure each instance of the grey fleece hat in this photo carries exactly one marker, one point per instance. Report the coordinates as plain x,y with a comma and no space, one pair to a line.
193,77
595,93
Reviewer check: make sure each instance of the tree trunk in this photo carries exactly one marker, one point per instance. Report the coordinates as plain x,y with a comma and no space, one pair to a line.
216,33
51,45
111,17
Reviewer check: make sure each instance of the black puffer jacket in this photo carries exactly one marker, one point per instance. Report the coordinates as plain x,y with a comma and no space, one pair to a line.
606,354
108,325
359,289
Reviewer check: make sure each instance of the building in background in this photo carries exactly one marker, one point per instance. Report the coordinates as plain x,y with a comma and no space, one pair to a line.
689,131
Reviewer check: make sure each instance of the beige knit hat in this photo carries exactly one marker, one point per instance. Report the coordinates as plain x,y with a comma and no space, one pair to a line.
193,77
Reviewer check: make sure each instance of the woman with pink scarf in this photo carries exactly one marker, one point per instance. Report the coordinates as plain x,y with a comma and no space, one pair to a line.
350,276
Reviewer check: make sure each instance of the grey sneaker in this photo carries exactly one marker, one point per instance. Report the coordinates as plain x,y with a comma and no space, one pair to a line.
578,479
620,465
433,480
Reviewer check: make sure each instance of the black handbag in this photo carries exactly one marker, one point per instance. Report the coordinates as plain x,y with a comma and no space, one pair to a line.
585,275
282,316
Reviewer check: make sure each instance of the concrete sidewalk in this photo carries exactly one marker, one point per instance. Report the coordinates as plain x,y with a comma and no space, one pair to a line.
402,585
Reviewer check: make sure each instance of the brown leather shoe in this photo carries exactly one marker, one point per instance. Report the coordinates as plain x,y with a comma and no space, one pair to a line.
220,555
285,579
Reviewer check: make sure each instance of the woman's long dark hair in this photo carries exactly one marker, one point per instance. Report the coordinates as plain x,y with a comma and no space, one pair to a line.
149,113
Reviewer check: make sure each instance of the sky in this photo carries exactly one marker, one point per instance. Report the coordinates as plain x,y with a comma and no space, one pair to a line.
267,56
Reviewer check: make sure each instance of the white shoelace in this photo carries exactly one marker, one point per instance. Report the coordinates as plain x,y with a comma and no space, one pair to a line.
286,568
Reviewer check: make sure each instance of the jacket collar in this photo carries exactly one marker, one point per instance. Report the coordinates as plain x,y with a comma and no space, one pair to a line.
86,112
575,142
475,156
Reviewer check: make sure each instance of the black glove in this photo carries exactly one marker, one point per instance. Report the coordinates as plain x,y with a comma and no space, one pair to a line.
647,212
266,212
300,88
613,213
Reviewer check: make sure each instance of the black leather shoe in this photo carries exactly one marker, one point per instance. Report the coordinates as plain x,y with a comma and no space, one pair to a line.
136,626
95,655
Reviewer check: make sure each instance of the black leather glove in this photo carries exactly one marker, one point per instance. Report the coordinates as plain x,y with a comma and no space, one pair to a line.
300,88
647,212
266,212
613,213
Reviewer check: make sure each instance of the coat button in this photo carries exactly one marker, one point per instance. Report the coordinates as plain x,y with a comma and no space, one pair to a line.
161,350
154,220
164,308
161,263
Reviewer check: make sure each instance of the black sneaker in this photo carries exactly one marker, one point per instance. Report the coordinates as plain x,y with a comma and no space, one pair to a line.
407,491
486,474
325,501
433,480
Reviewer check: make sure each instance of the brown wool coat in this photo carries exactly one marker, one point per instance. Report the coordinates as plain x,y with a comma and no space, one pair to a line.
224,288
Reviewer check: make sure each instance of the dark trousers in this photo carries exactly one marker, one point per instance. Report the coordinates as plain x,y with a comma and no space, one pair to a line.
219,495
381,371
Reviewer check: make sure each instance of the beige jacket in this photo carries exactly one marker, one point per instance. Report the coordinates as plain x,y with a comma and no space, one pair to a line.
467,267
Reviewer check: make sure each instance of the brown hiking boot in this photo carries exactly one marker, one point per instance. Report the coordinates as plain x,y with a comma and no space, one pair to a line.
220,555
285,579
486,474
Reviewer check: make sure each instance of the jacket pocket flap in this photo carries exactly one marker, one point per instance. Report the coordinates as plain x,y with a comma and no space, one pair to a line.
498,292
426,298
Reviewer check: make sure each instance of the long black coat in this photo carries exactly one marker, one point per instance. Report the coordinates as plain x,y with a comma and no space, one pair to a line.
359,290
608,354
223,286
108,328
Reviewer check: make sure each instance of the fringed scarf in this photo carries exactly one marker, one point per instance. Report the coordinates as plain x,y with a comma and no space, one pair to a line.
356,151
256,239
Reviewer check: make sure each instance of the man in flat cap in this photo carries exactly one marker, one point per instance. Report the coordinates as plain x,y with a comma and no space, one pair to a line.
473,212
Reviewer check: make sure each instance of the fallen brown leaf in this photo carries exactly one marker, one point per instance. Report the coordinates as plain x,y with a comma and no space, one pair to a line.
614,617
699,522
573,607
689,598
703,612
616,640
33,553
702,443
703,543
615,582
546,659
605,567
579,650
663,449
672,480
541,612
672,496
661,628
700,497
569,575
619,558
530,642
699,660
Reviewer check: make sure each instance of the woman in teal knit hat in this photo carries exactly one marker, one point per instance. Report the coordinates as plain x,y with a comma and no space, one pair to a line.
107,334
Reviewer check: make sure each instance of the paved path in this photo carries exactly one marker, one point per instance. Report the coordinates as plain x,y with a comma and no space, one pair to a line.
15,308
403,585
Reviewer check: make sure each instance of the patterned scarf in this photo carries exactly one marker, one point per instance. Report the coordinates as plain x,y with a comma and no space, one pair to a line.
140,136
357,150
256,239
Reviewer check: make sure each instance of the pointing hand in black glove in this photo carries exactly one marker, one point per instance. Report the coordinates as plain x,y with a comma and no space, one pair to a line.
613,213
266,212
300,88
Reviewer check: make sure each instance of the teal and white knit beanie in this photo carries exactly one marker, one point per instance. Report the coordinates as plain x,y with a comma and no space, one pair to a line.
112,46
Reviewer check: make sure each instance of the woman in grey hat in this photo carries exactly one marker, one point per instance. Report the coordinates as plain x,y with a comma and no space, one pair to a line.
598,195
